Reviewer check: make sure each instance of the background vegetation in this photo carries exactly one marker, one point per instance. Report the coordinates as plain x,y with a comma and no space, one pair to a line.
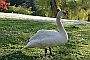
77,9
19,10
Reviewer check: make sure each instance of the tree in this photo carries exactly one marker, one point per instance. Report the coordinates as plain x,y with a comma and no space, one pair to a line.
53,7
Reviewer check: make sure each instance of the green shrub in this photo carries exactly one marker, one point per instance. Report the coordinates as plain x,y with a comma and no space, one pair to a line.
19,10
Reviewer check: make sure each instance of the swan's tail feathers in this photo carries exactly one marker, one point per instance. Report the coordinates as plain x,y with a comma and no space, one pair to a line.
24,47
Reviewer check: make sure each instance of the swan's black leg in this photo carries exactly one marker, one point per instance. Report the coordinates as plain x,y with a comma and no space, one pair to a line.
45,51
50,51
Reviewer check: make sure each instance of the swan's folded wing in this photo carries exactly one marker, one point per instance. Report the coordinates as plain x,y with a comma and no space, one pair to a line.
42,34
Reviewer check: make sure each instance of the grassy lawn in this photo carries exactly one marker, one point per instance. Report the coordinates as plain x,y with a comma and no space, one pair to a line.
15,33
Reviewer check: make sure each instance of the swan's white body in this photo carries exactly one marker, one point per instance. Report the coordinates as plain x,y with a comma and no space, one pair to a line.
49,38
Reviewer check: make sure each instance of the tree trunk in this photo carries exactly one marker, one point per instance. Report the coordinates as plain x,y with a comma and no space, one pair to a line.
53,8
89,17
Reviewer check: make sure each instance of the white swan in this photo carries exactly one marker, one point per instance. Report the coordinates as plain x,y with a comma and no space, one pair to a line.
48,38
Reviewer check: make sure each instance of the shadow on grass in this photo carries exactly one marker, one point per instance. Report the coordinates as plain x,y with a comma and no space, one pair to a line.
18,55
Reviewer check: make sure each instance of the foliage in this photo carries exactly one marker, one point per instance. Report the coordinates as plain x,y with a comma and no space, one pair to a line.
17,2
25,3
20,10
15,33
43,7
3,5
77,9
39,7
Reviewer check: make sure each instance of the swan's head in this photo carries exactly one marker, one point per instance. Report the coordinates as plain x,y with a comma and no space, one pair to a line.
61,14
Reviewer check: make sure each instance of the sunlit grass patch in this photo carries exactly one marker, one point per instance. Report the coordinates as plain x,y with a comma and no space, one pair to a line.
15,33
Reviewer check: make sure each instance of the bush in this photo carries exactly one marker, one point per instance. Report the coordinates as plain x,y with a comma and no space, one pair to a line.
19,10
3,5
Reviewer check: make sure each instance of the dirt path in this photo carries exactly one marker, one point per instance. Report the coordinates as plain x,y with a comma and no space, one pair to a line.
38,18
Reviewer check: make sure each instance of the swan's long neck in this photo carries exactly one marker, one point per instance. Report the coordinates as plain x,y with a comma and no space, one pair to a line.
61,27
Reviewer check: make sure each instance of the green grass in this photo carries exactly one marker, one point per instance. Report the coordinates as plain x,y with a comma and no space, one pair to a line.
15,33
